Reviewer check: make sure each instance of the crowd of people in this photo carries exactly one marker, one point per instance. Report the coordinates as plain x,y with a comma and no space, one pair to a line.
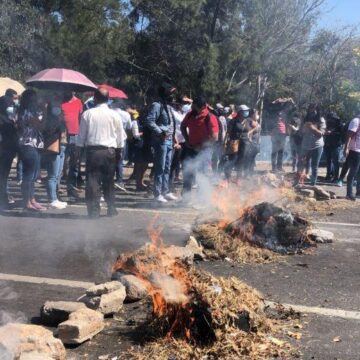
176,134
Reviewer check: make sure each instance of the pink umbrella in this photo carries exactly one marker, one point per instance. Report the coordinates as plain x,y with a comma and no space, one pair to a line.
61,79
113,92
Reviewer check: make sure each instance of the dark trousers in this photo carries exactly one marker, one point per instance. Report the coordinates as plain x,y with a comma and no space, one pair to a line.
177,159
100,170
6,158
119,165
243,161
277,151
73,154
332,154
344,170
31,159
354,166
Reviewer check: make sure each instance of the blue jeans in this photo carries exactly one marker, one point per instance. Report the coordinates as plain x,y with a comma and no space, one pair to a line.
314,156
54,166
354,165
30,158
332,161
163,150
119,171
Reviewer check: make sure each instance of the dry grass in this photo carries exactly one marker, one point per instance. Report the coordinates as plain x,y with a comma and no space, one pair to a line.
218,243
227,298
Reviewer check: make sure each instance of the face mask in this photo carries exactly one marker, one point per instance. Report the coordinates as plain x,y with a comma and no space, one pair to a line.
245,114
16,102
56,111
186,108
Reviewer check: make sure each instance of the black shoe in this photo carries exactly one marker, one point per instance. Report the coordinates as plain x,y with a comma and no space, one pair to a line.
351,198
112,212
94,215
73,195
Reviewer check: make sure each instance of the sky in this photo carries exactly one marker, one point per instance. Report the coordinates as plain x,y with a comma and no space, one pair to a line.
340,13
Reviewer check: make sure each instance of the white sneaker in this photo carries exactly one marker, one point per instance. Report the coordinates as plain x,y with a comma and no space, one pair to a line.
171,197
59,205
161,199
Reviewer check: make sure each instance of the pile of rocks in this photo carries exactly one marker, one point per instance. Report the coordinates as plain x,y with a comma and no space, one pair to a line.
314,192
79,321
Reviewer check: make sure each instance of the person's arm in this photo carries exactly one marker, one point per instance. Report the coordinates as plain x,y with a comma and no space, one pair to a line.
352,130
83,132
135,130
214,129
151,118
315,130
183,128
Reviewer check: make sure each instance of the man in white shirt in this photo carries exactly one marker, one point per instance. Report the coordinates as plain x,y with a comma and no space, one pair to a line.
352,152
101,132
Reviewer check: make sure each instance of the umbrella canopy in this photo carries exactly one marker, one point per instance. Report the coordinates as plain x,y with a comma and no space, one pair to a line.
113,92
61,79
7,83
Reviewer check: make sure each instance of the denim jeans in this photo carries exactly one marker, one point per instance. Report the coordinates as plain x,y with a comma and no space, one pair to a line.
119,165
314,156
163,150
354,166
30,158
277,151
54,166
332,161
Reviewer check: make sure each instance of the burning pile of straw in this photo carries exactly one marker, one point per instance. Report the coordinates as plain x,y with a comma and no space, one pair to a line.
234,324
260,234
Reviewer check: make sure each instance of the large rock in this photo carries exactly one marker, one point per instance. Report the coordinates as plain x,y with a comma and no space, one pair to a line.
55,312
307,193
321,236
105,288
135,288
24,341
197,250
320,193
180,253
82,325
107,304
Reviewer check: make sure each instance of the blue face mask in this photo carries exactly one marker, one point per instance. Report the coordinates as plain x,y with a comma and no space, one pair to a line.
245,114
186,108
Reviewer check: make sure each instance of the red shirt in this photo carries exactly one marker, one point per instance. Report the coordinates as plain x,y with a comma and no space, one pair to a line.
72,110
199,129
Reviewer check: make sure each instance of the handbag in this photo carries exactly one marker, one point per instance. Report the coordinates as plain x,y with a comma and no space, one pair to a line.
232,147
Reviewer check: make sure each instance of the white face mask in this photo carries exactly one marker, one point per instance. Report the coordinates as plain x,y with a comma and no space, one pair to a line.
186,108
16,102
10,110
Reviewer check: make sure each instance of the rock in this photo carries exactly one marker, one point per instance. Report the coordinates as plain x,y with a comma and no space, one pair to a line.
82,325
181,253
311,200
55,312
106,288
23,341
332,195
195,248
135,288
320,236
107,304
320,193
307,193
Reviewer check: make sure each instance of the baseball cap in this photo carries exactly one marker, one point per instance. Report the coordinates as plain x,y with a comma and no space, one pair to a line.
243,108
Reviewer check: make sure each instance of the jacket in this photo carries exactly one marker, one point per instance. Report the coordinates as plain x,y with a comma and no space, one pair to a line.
157,120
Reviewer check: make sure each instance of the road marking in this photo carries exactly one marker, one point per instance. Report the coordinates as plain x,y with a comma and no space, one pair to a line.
344,314
44,280
335,223
350,315
150,211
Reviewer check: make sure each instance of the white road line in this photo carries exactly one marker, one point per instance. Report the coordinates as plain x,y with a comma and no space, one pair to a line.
46,281
335,223
350,315
150,211
344,314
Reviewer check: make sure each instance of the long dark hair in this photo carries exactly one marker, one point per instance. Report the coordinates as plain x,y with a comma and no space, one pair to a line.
313,114
29,101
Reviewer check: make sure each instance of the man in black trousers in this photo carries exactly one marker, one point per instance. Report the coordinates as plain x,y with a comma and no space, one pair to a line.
101,132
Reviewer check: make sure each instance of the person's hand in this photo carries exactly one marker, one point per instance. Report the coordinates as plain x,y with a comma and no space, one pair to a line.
346,152
177,146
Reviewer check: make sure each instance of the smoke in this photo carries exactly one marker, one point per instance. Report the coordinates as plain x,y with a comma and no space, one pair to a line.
8,294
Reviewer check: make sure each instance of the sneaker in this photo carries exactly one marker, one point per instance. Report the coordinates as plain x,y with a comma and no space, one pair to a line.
58,205
339,183
11,200
161,199
171,197
19,182
120,186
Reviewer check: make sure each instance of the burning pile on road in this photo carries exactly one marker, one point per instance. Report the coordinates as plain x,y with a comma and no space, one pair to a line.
260,233
196,315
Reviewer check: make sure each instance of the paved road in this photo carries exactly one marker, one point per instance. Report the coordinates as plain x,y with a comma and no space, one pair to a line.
66,245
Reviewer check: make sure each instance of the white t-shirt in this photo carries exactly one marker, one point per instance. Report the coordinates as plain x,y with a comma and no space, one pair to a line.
354,126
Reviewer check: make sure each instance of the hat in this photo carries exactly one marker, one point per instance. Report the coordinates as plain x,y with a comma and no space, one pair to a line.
219,106
243,108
